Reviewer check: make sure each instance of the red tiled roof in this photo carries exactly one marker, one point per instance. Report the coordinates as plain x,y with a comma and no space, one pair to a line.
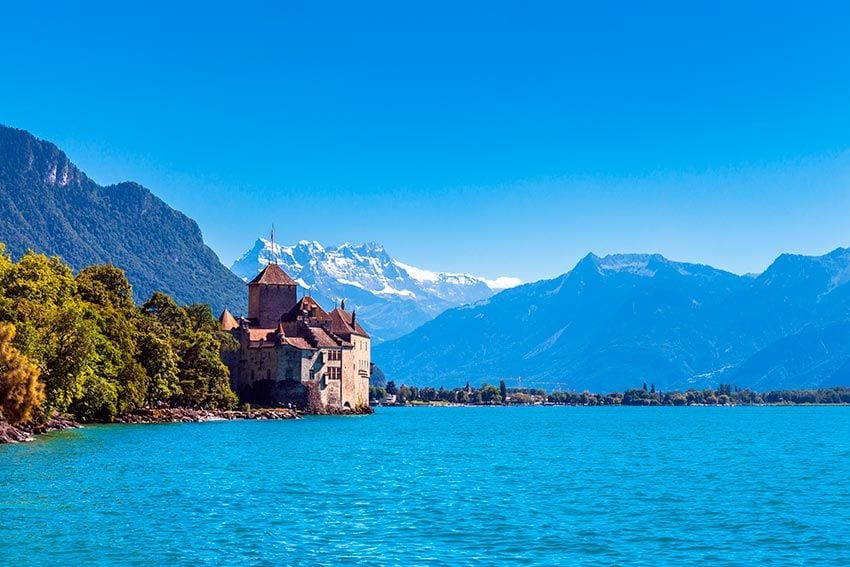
322,338
308,326
305,305
297,342
259,334
341,324
273,274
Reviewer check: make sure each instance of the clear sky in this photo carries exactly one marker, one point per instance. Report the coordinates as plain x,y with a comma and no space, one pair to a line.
495,138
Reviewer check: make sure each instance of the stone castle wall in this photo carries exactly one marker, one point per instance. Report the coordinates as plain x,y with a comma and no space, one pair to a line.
266,303
277,375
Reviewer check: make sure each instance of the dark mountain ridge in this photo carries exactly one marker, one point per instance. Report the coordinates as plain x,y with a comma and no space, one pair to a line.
48,205
614,322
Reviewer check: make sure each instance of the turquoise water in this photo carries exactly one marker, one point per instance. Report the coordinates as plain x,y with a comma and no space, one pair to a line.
559,485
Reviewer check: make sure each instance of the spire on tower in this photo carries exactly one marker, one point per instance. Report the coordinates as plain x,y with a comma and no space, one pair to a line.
273,254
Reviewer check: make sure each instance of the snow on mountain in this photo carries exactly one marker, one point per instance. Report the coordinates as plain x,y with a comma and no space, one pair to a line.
392,298
647,266
617,321
427,277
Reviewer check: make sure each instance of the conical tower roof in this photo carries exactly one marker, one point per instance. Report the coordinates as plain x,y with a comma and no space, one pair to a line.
227,320
273,274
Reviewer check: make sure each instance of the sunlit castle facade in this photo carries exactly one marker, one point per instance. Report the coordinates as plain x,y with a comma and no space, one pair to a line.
292,351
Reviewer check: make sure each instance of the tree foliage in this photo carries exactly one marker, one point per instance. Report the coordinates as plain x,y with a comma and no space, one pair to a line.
78,344
20,390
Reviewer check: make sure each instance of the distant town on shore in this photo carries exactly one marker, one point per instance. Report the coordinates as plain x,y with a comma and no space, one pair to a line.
491,395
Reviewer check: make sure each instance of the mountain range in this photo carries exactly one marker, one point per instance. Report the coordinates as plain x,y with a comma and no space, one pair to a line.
618,321
391,298
609,323
48,205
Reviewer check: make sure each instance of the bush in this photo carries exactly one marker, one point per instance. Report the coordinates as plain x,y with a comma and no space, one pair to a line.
20,391
98,402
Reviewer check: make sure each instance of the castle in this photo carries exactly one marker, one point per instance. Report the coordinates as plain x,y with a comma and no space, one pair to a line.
293,352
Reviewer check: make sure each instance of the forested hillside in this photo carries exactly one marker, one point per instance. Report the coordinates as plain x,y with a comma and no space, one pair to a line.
50,206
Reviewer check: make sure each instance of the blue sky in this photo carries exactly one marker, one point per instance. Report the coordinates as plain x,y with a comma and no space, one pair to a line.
494,138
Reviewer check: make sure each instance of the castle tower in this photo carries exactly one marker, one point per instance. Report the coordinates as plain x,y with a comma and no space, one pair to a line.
270,295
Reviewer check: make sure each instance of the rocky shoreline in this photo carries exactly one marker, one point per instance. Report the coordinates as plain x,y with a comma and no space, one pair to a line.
360,410
23,433
190,415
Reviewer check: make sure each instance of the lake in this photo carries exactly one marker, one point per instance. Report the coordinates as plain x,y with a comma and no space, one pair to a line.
445,486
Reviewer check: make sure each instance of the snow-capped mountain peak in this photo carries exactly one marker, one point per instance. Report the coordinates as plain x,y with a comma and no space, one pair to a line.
644,265
427,276
392,297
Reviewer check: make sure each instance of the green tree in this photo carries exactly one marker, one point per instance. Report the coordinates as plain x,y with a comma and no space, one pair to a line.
98,400
160,364
376,393
678,399
403,394
132,386
490,394
69,355
203,378
639,397
40,279
167,313
105,285
41,300
503,390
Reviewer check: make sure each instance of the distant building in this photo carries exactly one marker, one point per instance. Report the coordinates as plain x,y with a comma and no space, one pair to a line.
294,352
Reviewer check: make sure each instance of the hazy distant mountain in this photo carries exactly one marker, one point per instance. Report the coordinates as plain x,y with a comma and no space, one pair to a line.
808,359
50,206
614,322
391,298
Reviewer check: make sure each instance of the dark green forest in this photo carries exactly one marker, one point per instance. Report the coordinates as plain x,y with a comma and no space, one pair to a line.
79,345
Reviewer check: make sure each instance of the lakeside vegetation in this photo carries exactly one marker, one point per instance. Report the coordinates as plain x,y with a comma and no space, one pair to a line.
488,394
78,345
